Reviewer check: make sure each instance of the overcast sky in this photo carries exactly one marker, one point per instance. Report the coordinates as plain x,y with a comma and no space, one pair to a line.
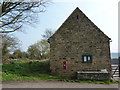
104,13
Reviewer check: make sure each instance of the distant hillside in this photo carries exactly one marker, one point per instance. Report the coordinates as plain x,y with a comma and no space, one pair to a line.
114,58
114,61
115,55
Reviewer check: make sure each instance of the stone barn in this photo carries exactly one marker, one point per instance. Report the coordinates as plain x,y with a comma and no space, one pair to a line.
80,49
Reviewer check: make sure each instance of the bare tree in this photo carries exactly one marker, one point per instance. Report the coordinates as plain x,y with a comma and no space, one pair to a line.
15,14
47,34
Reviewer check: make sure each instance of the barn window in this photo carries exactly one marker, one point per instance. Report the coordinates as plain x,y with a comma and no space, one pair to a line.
77,17
86,58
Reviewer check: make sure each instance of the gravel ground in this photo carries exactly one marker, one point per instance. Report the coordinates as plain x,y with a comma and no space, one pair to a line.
54,84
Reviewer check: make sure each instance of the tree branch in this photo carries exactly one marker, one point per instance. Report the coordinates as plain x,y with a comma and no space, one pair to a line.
11,31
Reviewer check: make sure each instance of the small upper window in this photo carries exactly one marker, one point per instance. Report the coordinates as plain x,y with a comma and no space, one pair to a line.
77,17
86,58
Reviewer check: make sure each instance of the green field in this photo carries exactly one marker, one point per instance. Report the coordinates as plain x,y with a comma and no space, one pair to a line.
35,70
20,70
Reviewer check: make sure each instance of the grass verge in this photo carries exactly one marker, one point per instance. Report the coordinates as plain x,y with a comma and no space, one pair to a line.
27,71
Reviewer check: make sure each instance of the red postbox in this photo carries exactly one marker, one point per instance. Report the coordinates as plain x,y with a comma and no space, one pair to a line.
64,65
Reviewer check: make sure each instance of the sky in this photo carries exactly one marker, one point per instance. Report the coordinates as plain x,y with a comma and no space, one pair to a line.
104,13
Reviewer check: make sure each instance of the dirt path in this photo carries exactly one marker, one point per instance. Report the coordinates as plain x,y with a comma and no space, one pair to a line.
54,84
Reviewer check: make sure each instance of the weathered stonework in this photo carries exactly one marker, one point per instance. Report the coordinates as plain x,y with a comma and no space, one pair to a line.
77,36
93,75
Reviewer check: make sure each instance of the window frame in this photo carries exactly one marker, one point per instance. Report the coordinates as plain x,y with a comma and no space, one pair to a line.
87,56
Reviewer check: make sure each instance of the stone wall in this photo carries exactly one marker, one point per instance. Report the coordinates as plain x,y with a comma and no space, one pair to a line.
78,36
93,76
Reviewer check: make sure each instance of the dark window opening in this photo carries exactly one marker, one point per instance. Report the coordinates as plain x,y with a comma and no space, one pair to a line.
64,58
87,58
77,17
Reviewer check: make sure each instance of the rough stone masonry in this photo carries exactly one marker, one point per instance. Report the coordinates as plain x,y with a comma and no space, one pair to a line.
79,45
